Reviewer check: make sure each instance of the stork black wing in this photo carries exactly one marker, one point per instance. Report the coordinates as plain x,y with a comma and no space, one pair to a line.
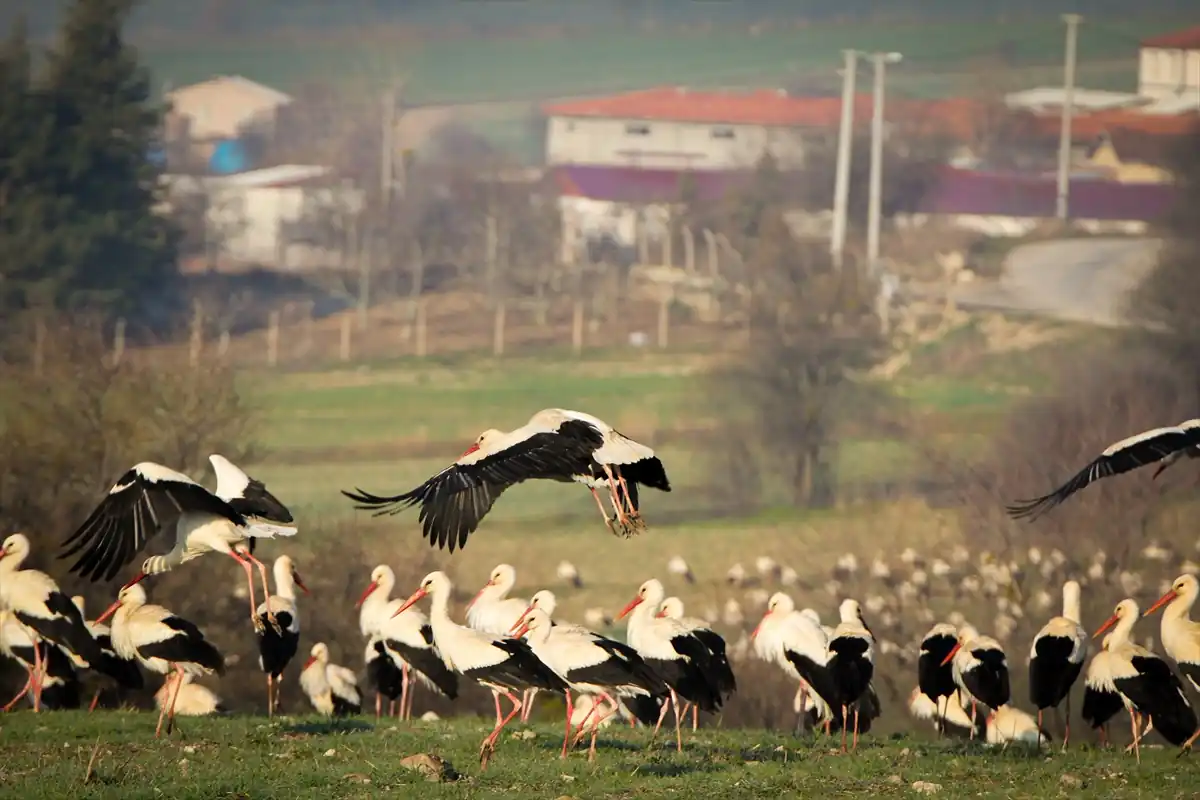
1124,456
139,506
256,501
454,501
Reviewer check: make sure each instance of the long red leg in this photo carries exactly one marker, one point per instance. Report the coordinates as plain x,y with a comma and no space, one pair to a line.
856,728
262,572
678,734
603,510
404,689
162,709
496,697
567,735
379,706
662,714
612,709
174,697
24,691
95,700
254,620
845,719
489,743
39,673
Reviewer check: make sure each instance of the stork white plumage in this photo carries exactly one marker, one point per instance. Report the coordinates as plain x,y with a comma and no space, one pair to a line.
1180,635
1056,658
1145,682
331,688
276,649
949,715
123,672
797,645
35,656
851,663
493,612
193,700
1007,724
673,652
150,498
501,665
37,603
161,641
980,670
721,671
406,640
556,444
545,600
589,663
1164,446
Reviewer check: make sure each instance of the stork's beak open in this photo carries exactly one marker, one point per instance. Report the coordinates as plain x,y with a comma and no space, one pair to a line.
520,621
950,656
300,583
634,603
1162,601
417,595
1111,621
366,594
108,612
141,576
311,660
521,631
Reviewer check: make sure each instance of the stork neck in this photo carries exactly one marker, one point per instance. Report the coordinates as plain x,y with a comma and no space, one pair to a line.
1071,609
285,584
1179,608
11,562
439,610
1120,632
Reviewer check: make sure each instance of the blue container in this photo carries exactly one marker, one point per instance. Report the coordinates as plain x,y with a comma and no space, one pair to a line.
229,157
157,155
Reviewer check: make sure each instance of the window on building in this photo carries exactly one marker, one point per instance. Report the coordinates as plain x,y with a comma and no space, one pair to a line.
722,133
637,129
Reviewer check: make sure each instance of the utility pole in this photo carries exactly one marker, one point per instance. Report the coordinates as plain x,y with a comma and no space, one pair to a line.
1064,141
875,198
376,243
841,189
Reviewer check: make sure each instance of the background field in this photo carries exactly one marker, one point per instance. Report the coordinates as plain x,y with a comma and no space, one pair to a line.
48,757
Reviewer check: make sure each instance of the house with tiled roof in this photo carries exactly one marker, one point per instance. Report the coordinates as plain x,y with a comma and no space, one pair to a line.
1169,66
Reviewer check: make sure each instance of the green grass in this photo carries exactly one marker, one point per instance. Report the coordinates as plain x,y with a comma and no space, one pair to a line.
48,755
464,70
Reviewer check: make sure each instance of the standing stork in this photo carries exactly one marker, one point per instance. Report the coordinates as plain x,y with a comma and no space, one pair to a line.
1164,446
1056,658
123,672
722,672
384,675
1145,682
149,498
331,688
556,444
276,648
980,669
589,664
674,653
851,663
406,639
1180,635
35,656
1101,700
161,641
501,665
493,612
545,600
799,646
37,603
935,677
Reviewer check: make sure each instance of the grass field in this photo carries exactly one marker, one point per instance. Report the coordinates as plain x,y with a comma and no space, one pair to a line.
48,756
531,68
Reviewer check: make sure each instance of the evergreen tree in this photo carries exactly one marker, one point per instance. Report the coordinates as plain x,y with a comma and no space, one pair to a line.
112,252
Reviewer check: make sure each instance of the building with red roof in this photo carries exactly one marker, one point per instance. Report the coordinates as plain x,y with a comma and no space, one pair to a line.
1169,66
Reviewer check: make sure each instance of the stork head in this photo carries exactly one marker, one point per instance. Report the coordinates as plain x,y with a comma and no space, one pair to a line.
1127,609
1184,587
383,576
435,583
15,546
481,441
672,608
649,592
536,625
319,652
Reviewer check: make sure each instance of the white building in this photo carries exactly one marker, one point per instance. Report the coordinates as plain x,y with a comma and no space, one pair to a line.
224,106
675,128
1169,66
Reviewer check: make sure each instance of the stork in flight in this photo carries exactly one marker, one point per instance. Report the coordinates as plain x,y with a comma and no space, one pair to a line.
556,444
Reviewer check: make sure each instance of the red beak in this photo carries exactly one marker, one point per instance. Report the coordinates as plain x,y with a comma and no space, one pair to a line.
520,621
1162,601
662,612
469,450
141,576
1111,621
300,583
108,612
632,605
950,655
311,660
521,631
754,632
366,594
417,595
479,594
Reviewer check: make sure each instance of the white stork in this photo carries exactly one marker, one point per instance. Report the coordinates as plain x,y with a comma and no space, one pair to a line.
674,653
149,498
935,678
331,688
851,663
277,648
980,669
124,672
406,640
161,641
192,699
722,672
1007,724
1056,658
1145,682
37,603
590,664
799,646
19,643
1163,445
1101,700
384,675
545,600
1180,635
556,444
493,612
501,665
949,717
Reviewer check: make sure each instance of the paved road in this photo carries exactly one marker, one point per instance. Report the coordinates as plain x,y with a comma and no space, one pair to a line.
1081,280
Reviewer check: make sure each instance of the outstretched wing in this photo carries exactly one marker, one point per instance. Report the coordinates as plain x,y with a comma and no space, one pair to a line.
246,495
146,500
454,501
1124,456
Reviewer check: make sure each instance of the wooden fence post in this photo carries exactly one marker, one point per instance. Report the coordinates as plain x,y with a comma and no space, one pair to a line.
498,329
664,319
577,328
689,249
273,339
197,337
39,345
421,341
347,327
118,350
